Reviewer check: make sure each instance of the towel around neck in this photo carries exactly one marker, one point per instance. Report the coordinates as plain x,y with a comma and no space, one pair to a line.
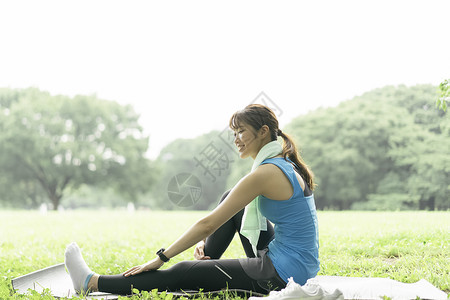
253,221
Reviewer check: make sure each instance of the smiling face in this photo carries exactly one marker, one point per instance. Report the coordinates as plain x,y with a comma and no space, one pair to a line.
254,126
244,138
248,141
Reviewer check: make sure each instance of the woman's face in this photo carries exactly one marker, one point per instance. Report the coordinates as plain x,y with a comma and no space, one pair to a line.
246,140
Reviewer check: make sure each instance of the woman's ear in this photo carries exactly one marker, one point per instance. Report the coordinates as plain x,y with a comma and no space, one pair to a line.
264,131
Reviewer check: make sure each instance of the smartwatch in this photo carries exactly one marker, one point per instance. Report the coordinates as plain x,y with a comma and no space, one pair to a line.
161,255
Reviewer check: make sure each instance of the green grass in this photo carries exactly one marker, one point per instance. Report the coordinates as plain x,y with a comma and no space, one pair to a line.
404,246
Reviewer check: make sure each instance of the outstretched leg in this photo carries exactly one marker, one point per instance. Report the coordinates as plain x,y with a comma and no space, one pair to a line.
205,275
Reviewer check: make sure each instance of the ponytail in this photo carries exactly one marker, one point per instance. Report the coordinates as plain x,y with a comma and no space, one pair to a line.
290,151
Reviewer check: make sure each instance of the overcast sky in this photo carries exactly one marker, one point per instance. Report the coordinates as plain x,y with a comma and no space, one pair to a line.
186,66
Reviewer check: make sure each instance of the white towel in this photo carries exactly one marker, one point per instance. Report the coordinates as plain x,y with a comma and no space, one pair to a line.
253,221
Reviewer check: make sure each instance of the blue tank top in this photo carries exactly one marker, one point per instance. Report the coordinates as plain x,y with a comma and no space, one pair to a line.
295,249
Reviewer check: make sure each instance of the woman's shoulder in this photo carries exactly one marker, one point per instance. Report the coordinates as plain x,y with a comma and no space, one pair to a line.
284,168
263,167
269,169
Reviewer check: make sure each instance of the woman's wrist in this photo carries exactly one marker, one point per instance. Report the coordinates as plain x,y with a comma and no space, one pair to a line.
159,260
162,255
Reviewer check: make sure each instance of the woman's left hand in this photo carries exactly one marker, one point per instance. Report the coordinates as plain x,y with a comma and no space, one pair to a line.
199,252
154,264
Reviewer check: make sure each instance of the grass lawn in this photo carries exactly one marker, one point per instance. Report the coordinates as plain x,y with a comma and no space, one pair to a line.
405,246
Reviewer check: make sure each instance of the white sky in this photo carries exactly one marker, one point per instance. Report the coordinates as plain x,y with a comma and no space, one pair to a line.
186,66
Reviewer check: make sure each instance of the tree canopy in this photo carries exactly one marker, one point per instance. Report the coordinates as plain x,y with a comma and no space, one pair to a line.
51,143
386,149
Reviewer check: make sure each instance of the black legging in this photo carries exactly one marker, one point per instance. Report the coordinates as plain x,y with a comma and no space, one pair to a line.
218,242
207,275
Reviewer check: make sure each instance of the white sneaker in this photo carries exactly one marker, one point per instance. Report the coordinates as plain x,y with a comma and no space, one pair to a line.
294,291
313,284
336,295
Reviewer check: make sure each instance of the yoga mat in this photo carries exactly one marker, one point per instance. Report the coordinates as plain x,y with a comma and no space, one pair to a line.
374,288
54,278
58,281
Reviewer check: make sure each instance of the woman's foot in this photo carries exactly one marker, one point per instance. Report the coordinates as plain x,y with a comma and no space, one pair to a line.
78,270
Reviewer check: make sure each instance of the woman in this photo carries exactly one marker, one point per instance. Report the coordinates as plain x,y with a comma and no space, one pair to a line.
279,188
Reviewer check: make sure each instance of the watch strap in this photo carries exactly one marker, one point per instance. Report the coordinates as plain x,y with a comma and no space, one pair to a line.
161,255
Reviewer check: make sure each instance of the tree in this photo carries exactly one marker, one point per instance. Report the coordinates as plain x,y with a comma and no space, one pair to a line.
444,96
422,154
61,142
383,149
345,147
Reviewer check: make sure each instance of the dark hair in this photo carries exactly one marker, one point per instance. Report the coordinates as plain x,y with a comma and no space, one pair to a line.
257,115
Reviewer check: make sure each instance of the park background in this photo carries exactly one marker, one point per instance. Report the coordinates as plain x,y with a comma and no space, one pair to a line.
106,103
384,150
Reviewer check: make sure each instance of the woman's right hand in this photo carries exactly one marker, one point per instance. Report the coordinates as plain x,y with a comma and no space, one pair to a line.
199,252
154,264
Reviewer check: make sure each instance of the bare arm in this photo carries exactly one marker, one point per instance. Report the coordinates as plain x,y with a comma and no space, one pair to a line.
247,189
